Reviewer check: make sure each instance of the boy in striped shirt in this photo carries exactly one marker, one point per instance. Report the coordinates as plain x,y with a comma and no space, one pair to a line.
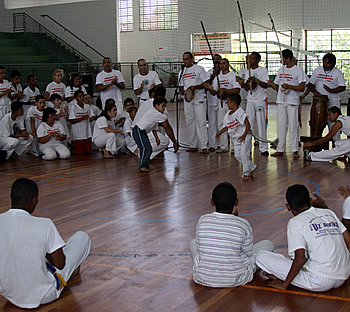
223,253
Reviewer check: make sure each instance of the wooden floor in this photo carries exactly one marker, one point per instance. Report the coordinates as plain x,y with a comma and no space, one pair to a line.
141,225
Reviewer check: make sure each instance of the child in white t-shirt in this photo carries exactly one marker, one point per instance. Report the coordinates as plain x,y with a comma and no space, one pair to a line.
51,135
17,93
79,118
94,108
61,114
30,92
74,85
237,124
57,86
129,140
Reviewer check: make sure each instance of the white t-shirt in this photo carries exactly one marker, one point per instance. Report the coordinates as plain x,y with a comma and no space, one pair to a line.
224,245
149,79
144,108
30,95
100,124
194,76
228,81
150,119
244,74
346,208
332,79
25,241
235,122
70,92
4,100
58,88
7,125
82,129
44,129
95,110
319,232
113,91
259,93
15,90
345,121
293,76
37,115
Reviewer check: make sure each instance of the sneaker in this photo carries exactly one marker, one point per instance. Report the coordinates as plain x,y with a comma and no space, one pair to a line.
221,150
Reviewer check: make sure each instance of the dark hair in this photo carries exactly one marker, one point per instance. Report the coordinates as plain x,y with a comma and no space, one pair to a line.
127,100
160,91
331,58
151,91
132,109
30,76
108,107
257,55
14,74
76,93
22,191
298,197
190,54
55,96
159,100
15,106
235,97
224,197
226,60
139,60
39,97
2,67
106,58
72,78
335,109
46,112
217,55
287,54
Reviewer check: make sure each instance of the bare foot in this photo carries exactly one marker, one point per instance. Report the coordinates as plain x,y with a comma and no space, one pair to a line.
277,154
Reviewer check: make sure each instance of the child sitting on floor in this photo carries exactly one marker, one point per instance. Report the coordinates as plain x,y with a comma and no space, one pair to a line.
223,253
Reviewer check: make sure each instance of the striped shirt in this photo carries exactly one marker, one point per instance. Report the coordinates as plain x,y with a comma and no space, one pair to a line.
224,245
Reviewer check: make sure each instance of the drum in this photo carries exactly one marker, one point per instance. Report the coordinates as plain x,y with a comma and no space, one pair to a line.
318,116
189,95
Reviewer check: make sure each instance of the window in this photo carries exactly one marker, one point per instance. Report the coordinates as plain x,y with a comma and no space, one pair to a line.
159,14
125,15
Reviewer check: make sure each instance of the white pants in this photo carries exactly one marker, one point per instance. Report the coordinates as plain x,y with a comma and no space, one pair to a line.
279,266
156,149
242,154
213,125
51,151
221,114
111,142
332,103
195,115
262,245
11,145
130,143
258,110
342,147
287,116
76,251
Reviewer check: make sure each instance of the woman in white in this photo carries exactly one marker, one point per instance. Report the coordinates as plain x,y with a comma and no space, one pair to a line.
51,135
105,135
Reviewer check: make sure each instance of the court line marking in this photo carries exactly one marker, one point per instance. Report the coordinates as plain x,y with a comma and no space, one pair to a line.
263,288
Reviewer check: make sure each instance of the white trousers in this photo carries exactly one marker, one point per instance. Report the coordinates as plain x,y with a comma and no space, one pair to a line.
279,266
51,151
342,147
213,128
11,145
242,154
130,143
262,245
4,110
221,114
258,110
195,115
111,142
287,117
76,251
332,103
156,149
